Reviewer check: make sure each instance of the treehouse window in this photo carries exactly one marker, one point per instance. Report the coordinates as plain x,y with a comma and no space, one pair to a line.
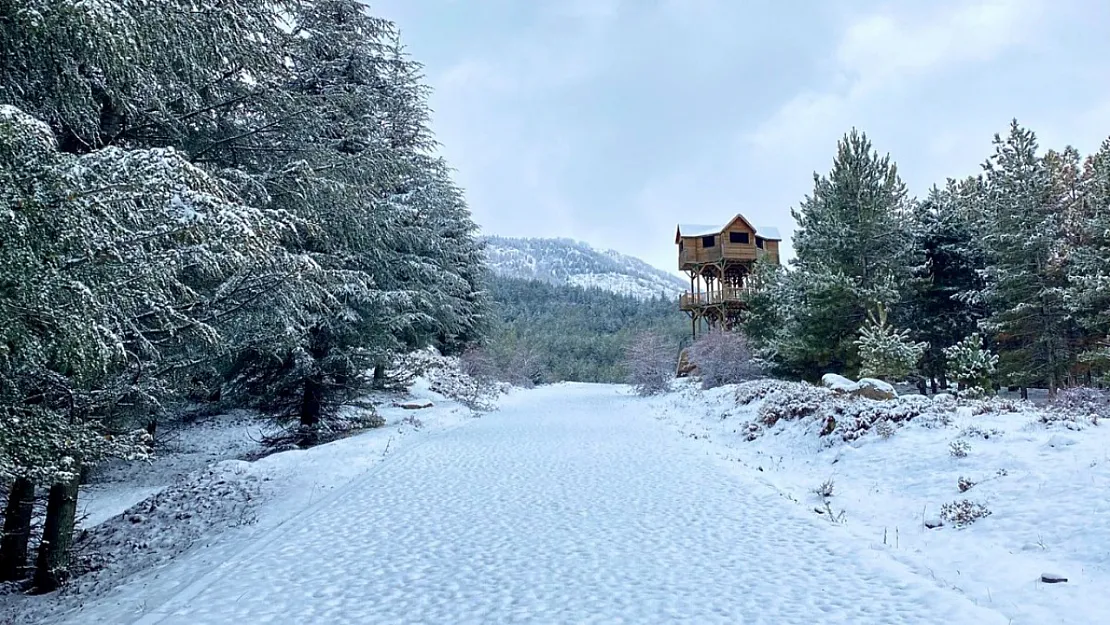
759,242
738,237
709,241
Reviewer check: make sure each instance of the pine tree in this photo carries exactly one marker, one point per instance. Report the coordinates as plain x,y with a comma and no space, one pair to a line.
852,246
1026,271
940,311
885,352
971,365
1089,269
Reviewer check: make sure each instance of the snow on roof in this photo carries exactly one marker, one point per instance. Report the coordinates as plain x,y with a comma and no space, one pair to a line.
701,230
698,230
768,232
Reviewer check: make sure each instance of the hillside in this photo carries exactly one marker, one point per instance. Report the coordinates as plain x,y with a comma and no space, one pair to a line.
567,262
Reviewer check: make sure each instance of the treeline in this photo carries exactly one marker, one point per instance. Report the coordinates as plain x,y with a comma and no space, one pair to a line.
233,200
1001,278
552,333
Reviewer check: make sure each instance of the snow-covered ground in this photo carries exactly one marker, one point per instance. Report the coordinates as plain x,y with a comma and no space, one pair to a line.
1046,485
152,528
583,503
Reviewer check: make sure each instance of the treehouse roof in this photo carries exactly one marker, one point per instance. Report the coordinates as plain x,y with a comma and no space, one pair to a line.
769,233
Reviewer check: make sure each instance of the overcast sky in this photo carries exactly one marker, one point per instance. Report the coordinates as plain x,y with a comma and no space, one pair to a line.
610,121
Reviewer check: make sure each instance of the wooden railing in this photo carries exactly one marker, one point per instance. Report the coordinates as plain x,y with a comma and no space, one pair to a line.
734,251
688,301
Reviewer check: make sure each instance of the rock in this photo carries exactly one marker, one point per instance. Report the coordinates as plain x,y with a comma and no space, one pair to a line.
838,383
934,522
414,405
1053,578
874,389
685,367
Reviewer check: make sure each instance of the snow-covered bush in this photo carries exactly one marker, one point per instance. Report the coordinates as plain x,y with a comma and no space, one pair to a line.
884,428
959,448
796,400
724,357
964,484
748,392
963,513
651,364
850,418
885,352
971,366
1082,402
446,376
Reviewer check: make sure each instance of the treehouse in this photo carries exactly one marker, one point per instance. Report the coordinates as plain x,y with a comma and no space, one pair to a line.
719,260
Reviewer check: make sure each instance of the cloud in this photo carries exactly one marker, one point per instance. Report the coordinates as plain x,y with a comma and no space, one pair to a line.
883,51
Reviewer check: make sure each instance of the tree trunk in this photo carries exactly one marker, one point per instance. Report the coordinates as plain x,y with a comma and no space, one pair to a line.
52,566
1024,392
17,530
310,409
933,385
379,376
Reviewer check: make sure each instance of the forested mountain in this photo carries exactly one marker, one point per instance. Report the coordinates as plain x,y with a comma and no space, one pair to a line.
201,199
548,332
563,261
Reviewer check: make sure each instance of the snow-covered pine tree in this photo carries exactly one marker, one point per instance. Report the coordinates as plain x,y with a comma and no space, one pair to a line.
971,365
106,249
852,246
393,240
1089,267
942,308
1025,277
139,73
885,352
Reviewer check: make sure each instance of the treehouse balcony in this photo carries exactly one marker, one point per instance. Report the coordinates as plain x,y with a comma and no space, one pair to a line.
688,302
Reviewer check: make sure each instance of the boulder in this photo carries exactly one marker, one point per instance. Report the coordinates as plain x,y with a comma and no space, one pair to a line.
872,388
1053,578
685,367
837,383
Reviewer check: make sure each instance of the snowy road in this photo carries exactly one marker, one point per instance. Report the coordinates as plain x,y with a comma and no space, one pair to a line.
570,505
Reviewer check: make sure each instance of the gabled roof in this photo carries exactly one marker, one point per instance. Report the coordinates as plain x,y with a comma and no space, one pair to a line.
769,233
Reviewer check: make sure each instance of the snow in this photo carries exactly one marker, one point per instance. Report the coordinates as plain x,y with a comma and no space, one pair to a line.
1042,477
698,230
583,503
701,230
570,504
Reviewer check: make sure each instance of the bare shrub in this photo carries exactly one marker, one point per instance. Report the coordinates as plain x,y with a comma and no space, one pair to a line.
1080,403
724,358
825,489
959,449
963,513
651,364
964,484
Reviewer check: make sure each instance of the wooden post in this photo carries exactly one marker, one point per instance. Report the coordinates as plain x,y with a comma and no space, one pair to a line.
52,566
17,530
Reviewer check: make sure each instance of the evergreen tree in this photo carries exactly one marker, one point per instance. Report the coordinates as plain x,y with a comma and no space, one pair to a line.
1026,270
885,352
1089,269
940,311
853,250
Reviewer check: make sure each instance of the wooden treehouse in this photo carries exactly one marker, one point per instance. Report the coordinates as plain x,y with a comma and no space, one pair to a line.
719,260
